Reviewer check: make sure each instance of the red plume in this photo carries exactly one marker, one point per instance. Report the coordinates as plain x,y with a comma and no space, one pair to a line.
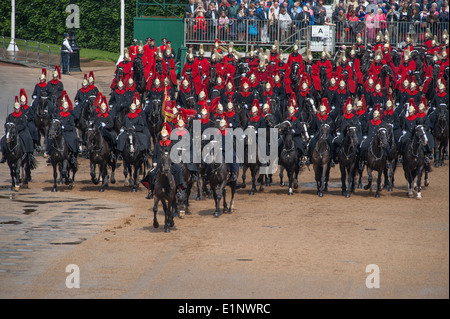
213,105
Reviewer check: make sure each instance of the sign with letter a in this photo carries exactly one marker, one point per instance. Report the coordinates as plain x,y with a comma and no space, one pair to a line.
73,19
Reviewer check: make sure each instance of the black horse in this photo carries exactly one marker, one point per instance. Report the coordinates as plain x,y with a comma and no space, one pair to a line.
99,154
251,161
348,160
60,156
392,159
217,175
42,119
133,157
377,158
308,111
165,190
320,158
289,157
440,135
155,120
294,76
414,161
16,158
138,77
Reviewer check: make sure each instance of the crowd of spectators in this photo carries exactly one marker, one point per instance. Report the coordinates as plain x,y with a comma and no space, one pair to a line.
277,19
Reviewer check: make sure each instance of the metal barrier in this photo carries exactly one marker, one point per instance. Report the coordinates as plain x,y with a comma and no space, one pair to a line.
245,32
347,31
30,52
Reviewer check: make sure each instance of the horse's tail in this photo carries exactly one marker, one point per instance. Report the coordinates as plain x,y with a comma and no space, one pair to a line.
32,162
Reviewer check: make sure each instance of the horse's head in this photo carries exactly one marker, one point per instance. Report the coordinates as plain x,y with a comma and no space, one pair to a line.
324,131
420,135
165,163
386,71
270,120
304,132
382,137
54,129
190,101
10,132
284,128
131,139
294,71
156,107
93,136
350,133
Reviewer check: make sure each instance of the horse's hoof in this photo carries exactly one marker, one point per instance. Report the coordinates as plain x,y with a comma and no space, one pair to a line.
16,188
166,229
442,164
101,190
197,198
60,183
217,214
320,194
243,185
252,193
436,165
427,183
390,189
188,211
149,196
133,190
419,196
347,195
410,195
377,195
54,190
182,214
25,186
68,181
366,187
360,186
155,225
113,180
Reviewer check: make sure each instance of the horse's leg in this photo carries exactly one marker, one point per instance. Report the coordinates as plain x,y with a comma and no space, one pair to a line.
352,176
437,152
369,185
135,178
113,170
281,175
64,170
386,177
419,182
296,171
225,205
125,173
379,187
253,174
291,181
323,179
155,212
166,216
343,180
12,172
55,176
199,195
93,174
233,190
427,181
244,171
105,177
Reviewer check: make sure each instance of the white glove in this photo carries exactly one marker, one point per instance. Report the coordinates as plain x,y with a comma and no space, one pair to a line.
204,137
293,131
403,132
246,106
231,125
103,124
121,130
243,74
154,164
62,126
338,133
